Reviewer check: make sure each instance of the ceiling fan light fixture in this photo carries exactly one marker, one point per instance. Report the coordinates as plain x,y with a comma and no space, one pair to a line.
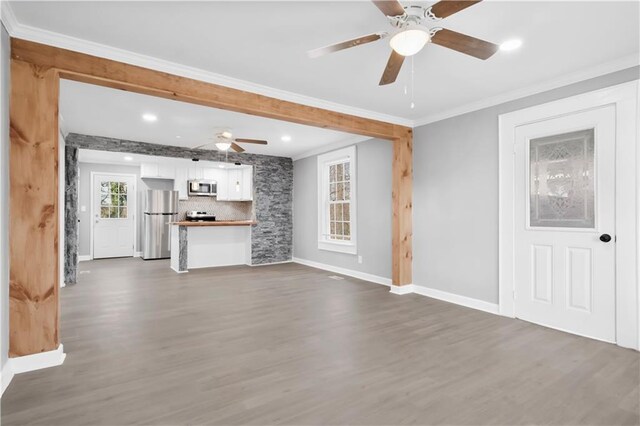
409,41
223,146
226,134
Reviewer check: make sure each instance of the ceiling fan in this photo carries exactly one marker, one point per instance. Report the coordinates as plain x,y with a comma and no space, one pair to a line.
224,140
411,34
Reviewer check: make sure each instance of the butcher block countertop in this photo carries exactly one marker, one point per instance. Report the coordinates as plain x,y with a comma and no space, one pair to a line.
217,223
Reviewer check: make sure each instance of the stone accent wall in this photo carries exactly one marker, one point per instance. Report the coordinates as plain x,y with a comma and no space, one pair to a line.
71,241
271,238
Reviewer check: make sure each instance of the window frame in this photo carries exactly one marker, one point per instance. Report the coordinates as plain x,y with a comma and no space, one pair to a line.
324,162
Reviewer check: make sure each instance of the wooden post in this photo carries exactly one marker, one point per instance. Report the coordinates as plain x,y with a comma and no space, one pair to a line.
33,238
402,188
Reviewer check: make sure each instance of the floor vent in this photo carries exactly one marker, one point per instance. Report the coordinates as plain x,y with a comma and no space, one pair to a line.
336,277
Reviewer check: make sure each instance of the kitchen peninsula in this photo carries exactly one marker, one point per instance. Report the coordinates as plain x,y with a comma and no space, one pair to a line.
209,244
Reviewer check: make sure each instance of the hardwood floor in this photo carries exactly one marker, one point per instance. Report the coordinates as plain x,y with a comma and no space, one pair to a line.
286,344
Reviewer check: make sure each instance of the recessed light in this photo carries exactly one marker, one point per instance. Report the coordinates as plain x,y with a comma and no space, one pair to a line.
511,45
128,158
286,138
178,137
149,117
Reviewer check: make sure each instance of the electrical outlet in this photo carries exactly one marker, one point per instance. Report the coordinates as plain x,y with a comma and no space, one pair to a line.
83,208
359,259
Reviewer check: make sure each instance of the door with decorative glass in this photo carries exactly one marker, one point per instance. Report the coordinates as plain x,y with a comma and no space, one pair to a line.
114,198
565,223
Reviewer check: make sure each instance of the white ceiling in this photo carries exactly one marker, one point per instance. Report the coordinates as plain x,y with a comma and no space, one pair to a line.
265,43
96,110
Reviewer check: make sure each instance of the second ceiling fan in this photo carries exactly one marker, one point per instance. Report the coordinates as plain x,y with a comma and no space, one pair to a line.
411,34
225,140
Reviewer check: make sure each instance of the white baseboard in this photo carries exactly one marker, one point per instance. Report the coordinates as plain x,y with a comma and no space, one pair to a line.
272,263
407,288
469,302
84,257
343,271
401,289
178,272
137,254
6,375
37,361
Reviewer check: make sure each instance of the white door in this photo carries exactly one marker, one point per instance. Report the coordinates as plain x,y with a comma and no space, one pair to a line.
565,223
114,199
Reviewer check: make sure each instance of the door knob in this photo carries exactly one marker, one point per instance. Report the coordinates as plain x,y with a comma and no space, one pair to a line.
605,238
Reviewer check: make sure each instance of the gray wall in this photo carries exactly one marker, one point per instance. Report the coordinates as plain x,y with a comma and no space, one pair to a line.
374,159
84,199
455,194
4,196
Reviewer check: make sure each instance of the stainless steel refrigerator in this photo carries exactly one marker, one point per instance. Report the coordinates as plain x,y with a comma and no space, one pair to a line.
160,209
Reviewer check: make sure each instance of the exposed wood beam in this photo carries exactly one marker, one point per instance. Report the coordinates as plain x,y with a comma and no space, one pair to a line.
36,70
33,229
402,199
91,69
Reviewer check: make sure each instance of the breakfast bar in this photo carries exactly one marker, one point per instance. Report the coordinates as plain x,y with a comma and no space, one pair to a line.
209,244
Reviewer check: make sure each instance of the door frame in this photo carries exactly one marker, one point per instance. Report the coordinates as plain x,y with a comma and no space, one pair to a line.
135,208
625,99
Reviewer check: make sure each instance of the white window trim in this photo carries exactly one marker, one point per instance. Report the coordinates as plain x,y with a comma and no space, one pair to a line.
349,247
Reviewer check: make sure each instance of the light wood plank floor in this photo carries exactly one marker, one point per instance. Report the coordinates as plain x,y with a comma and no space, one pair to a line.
286,344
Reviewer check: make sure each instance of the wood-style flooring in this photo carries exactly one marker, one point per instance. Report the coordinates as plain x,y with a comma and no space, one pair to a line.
287,344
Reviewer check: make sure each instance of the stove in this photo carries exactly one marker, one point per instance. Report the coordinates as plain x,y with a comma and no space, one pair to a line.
196,216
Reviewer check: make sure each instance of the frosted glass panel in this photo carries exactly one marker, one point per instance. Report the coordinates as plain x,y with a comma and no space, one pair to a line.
562,180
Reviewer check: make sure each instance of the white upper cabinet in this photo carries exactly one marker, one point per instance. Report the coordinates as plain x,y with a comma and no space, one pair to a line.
180,181
247,183
235,184
149,170
157,170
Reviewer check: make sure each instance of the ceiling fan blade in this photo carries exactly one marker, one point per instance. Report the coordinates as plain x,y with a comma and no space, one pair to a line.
236,147
445,8
392,69
346,44
258,141
389,7
465,44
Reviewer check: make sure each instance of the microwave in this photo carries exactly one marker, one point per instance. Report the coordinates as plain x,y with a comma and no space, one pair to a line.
205,188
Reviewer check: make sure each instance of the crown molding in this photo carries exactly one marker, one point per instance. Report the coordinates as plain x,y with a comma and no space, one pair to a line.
337,145
27,32
38,35
565,80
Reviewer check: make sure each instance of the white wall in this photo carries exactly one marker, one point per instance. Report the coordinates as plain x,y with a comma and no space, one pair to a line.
84,199
455,194
374,160
4,202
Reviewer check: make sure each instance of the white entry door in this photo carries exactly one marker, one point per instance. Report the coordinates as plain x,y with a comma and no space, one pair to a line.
114,214
565,223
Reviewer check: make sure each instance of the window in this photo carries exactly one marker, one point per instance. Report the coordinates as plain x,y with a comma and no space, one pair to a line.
336,201
113,200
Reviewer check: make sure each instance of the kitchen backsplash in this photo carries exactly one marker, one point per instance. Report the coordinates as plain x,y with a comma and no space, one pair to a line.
223,210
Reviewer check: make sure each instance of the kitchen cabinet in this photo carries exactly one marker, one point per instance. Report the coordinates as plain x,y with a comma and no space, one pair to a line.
235,184
180,181
247,183
157,170
149,170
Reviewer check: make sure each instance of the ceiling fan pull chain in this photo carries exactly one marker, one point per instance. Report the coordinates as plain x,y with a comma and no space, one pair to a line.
412,84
